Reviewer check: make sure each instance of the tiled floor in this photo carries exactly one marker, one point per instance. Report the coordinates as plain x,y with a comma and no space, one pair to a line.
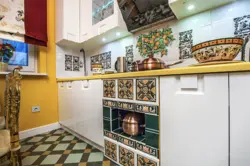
60,148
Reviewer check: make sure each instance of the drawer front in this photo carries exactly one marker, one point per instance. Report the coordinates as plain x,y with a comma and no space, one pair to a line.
126,157
142,161
111,150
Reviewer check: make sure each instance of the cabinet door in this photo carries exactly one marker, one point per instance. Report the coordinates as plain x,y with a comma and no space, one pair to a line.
71,14
89,112
194,120
85,20
239,119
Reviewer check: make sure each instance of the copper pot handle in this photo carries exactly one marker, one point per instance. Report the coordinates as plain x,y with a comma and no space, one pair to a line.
143,125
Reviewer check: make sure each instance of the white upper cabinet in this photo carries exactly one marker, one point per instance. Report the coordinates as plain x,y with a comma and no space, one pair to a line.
67,21
239,119
85,20
184,8
194,120
88,22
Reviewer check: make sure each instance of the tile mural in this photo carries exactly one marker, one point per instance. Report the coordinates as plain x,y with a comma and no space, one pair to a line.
242,30
68,62
72,63
146,89
109,88
129,56
103,58
76,63
126,157
185,44
126,89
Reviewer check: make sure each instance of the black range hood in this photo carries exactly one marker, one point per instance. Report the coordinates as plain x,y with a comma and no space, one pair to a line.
140,14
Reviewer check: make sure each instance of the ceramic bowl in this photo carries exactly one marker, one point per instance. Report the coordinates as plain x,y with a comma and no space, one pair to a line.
225,49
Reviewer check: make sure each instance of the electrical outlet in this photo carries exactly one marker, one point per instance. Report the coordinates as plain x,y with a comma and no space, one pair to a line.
35,108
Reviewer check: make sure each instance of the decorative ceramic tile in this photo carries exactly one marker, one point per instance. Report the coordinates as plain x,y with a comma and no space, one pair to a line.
109,88
185,45
143,161
76,63
152,138
146,109
126,105
104,59
110,135
155,41
146,149
126,89
129,57
68,62
109,103
146,89
126,157
126,141
106,112
152,122
111,150
242,30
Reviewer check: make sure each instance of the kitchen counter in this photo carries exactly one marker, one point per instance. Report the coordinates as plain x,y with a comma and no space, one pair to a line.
222,68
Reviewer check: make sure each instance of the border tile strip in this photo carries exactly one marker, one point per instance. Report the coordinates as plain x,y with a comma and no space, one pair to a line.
110,135
146,149
142,108
126,105
126,141
110,103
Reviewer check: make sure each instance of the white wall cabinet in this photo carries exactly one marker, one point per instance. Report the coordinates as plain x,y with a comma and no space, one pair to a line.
67,21
81,109
194,120
239,119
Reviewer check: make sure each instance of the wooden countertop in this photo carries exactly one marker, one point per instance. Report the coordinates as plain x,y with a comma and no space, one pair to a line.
222,68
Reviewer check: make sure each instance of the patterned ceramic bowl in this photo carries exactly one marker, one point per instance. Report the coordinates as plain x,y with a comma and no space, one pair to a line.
225,49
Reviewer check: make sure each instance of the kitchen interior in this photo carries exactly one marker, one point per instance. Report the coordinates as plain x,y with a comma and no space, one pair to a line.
156,82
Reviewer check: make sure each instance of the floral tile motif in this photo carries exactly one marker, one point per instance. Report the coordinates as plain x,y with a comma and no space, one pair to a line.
111,150
146,89
68,62
185,45
146,109
142,161
126,157
76,63
147,149
126,106
126,89
242,30
104,59
109,88
130,57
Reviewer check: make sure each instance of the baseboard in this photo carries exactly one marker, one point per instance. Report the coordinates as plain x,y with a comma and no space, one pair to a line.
83,138
38,130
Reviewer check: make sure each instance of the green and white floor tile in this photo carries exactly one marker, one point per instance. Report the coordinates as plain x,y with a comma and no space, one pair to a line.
60,148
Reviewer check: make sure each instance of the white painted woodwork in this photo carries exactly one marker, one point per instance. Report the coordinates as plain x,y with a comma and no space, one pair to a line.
87,107
239,119
65,105
67,21
194,122
85,20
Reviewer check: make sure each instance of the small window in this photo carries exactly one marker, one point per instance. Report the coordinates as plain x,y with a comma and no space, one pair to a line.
25,55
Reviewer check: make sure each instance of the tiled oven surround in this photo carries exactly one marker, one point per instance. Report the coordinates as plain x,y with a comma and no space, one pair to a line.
131,95
213,24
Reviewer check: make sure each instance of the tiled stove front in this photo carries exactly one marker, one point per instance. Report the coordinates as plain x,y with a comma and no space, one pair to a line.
124,96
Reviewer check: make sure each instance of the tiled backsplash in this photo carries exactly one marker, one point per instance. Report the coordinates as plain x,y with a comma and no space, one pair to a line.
221,22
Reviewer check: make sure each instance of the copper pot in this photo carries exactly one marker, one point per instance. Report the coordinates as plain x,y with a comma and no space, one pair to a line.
151,63
132,124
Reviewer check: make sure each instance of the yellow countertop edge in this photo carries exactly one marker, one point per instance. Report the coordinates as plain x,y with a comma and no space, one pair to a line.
235,67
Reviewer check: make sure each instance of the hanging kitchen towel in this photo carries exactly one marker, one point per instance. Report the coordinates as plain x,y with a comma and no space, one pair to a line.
36,22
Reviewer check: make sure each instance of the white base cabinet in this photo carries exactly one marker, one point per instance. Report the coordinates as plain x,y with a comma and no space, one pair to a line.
239,119
194,120
80,109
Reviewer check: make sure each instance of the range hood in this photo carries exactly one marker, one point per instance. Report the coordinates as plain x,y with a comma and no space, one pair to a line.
140,14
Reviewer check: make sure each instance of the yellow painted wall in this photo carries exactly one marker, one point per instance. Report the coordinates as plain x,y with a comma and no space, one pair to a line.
39,91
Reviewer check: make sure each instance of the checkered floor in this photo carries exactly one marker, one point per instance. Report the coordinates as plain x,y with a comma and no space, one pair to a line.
60,148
